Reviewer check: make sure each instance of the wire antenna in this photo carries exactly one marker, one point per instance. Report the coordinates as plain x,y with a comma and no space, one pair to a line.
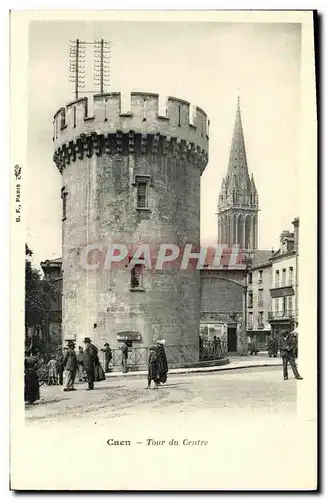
77,64
102,59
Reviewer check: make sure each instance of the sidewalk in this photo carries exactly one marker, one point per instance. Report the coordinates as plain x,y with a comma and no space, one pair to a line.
236,363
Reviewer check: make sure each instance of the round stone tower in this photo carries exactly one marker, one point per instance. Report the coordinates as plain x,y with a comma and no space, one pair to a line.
129,179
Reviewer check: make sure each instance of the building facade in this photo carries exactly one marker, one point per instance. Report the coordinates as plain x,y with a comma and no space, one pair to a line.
130,178
284,291
238,202
259,280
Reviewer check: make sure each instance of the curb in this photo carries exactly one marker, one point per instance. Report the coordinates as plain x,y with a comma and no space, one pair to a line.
194,370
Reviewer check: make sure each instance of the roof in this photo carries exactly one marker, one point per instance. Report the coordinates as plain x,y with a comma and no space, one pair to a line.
52,262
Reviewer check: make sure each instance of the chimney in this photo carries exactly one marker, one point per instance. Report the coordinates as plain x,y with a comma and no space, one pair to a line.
296,224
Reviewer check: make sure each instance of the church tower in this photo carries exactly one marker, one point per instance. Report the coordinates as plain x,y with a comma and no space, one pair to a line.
238,203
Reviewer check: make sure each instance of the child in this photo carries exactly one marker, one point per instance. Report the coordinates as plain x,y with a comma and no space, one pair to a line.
52,374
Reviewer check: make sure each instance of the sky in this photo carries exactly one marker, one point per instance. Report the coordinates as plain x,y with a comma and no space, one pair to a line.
207,64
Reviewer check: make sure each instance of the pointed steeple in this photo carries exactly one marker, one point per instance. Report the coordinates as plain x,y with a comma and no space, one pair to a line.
238,197
237,164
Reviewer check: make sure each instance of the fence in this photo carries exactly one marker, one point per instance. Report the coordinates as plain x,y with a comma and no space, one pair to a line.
176,355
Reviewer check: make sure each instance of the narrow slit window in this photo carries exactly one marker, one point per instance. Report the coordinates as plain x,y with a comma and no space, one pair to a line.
64,202
137,276
179,116
74,116
62,118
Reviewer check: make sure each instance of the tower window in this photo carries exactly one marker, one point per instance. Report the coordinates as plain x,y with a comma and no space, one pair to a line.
179,116
62,118
64,202
74,116
141,195
142,183
137,277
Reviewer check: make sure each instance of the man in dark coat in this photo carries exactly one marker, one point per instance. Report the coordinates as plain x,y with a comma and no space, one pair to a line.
287,347
70,364
90,360
163,365
107,356
270,346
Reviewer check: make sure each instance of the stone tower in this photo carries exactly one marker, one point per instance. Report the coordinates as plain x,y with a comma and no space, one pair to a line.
130,178
238,203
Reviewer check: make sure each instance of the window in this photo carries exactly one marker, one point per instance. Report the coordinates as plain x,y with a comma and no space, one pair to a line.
141,195
137,277
74,116
284,277
277,279
142,183
62,118
250,299
250,278
260,276
290,305
291,275
64,202
260,298
260,319
250,321
179,116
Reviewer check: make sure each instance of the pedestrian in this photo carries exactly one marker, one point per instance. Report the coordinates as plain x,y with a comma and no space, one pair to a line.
163,365
107,356
80,364
270,346
70,367
60,364
287,348
153,367
90,360
31,380
124,352
274,347
200,347
52,371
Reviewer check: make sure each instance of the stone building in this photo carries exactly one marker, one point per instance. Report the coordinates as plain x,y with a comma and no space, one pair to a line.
285,283
130,178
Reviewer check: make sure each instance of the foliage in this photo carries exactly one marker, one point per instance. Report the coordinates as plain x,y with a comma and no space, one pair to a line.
38,294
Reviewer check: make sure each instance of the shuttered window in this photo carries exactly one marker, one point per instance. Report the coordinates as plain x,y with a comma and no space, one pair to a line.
141,195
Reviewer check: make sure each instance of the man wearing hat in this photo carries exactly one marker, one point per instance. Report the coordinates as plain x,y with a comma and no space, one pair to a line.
107,356
90,359
287,351
70,366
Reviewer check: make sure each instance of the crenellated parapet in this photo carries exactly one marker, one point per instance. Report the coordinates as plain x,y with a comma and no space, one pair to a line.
141,131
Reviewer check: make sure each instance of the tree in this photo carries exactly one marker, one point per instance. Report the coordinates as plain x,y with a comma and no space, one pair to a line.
38,293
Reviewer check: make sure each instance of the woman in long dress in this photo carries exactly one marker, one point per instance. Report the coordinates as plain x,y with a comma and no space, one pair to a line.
163,365
32,387
153,368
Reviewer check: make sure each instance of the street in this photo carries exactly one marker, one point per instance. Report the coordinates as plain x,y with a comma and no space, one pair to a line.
259,390
223,430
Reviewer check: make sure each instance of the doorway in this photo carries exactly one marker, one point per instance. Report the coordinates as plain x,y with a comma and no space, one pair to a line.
231,339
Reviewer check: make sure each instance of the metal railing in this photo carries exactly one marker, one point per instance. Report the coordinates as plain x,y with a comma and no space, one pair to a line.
281,314
176,355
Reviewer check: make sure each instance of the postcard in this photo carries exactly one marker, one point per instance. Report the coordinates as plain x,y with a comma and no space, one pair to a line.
163,240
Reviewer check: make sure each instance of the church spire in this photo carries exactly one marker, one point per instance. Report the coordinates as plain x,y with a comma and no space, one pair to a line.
238,198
